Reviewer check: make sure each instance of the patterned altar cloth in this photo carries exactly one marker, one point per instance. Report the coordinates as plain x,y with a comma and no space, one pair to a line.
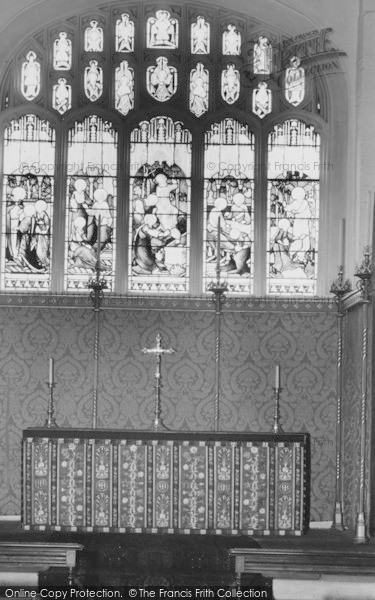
157,482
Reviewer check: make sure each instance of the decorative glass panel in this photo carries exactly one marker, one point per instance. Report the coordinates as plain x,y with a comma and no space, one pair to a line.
93,81
161,80
124,92
231,41
62,96
262,100
199,90
230,84
160,169
30,77
228,200
29,164
262,56
295,82
124,34
62,53
162,31
293,208
200,36
93,38
91,201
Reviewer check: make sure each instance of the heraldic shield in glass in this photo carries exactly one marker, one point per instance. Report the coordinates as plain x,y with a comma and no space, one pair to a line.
293,208
28,209
159,230
229,206
91,202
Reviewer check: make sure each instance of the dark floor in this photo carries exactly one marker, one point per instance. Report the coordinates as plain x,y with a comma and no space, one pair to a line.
172,560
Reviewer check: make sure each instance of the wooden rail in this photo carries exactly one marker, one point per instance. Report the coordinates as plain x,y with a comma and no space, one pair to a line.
36,557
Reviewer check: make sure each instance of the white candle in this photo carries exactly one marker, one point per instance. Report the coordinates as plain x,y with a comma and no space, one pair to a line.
342,243
51,374
218,249
98,239
369,219
277,377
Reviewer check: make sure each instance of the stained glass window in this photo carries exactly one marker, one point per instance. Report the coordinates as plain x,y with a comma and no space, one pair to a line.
162,31
62,53
262,60
229,206
30,77
91,194
200,36
293,208
62,96
262,100
124,34
124,92
295,82
28,193
159,230
231,41
230,84
93,81
199,82
94,38
161,80
125,63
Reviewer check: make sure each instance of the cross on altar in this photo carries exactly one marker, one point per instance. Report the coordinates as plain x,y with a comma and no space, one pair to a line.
158,351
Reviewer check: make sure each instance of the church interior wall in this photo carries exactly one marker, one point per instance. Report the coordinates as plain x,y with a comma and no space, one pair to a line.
304,344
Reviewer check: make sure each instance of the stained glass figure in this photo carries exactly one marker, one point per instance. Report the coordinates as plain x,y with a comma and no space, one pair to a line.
94,38
93,81
30,77
124,92
160,169
124,34
91,193
28,208
229,206
262,100
230,84
231,41
62,53
162,31
200,36
62,96
199,82
295,82
161,80
262,59
293,207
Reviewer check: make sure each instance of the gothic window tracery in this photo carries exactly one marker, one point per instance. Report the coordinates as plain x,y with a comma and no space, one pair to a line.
206,68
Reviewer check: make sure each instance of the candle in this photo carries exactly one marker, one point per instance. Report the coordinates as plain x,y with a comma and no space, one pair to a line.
369,219
342,243
51,377
218,249
98,240
277,377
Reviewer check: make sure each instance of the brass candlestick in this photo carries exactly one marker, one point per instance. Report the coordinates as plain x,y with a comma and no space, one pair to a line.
276,416
50,421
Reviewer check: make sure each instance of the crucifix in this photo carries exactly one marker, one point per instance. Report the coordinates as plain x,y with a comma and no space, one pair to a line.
158,351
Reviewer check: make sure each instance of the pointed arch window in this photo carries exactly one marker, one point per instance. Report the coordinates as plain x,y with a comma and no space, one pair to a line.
207,185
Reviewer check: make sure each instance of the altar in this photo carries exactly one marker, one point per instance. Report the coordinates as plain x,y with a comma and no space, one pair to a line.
165,482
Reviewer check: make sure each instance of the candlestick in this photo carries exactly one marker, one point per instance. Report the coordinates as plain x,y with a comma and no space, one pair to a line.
51,369
342,242
218,250
277,377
